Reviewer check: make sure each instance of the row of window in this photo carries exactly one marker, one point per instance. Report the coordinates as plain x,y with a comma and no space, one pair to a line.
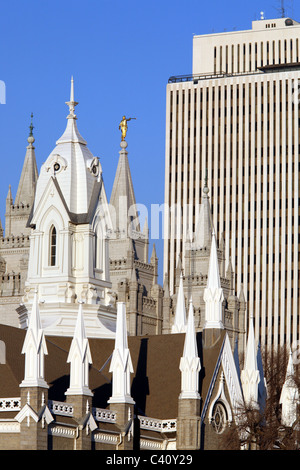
244,57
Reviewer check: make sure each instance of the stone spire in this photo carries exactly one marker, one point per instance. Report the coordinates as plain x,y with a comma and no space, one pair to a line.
289,398
179,325
35,349
213,293
204,226
250,375
80,358
154,262
27,184
190,362
125,217
121,364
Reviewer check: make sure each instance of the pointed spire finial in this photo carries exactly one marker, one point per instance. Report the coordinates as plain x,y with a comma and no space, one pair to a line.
9,195
72,89
72,103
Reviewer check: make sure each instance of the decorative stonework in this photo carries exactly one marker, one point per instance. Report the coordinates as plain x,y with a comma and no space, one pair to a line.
104,415
10,404
61,408
159,425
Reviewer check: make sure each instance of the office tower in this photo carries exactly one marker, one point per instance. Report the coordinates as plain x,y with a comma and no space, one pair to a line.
235,121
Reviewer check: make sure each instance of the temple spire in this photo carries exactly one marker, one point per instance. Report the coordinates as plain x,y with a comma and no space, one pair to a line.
121,364
250,375
213,293
27,184
122,200
204,226
190,362
35,349
289,398
179,325
80,358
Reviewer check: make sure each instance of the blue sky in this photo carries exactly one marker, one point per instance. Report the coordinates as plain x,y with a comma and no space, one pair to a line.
121,54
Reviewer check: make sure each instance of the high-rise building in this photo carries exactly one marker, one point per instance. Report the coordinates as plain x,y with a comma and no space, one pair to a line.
235,123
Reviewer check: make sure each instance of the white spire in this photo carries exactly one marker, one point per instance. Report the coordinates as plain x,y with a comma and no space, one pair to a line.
250,376
121,364
179,325
72,103
289,398
213,293
204,224
190,362
71,133
34,348
79,357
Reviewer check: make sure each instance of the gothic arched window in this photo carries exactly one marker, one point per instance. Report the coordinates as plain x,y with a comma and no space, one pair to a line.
52,244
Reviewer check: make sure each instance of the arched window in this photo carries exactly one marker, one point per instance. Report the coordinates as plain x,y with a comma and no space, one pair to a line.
52,251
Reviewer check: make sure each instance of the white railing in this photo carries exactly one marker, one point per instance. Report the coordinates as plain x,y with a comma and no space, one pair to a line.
10,404
160,425
61,408
104,415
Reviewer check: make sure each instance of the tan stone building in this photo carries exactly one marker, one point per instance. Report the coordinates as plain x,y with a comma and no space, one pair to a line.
15,238
133,276
52,411
158,372
100,256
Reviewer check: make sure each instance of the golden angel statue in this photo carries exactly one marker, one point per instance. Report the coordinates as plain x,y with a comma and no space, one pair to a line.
123,126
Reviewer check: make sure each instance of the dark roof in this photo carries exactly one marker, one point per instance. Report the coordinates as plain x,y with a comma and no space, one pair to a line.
156,381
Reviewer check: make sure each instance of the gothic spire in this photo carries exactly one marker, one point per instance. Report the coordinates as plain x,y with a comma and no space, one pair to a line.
27,183
190,362
35,349
250,375
79,357
204,225
289,398
213,293
122,201
179,325
121,364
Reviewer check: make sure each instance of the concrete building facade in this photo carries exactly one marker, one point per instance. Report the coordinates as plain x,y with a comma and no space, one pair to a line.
235,121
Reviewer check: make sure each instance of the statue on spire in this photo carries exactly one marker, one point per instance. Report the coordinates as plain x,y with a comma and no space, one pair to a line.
30,138
123,126
31,126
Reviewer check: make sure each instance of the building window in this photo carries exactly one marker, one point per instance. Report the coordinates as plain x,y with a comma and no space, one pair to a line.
219,418
53,242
